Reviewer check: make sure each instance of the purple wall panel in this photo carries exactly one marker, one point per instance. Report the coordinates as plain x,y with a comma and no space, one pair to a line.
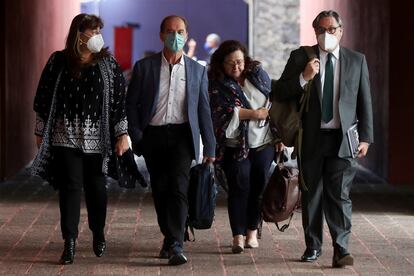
228,18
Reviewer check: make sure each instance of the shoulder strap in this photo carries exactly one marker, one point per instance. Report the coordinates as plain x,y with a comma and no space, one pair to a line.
310,52
304,107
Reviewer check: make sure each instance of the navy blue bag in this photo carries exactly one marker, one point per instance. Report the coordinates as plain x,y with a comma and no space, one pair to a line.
202,193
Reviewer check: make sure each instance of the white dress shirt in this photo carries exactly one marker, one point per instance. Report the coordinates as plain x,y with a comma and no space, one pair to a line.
172,105
257,136
323,57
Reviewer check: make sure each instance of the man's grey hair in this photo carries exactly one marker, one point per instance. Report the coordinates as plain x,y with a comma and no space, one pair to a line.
323,14
214,37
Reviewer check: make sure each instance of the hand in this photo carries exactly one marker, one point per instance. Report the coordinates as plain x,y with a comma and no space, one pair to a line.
279,147
362,149
191,43
208,160
311,69
121,145
39,140
261,113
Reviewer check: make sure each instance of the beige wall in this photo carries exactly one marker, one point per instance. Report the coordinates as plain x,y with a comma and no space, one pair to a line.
33,30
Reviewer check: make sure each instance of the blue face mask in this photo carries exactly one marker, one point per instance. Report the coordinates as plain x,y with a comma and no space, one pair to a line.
175,42
207,47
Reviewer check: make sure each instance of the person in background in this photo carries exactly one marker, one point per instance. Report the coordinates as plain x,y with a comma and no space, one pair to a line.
80,126
340,96
191,45
239,95
210,46
167,110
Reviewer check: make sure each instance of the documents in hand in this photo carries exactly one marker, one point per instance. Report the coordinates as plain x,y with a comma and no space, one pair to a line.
268,105
353,139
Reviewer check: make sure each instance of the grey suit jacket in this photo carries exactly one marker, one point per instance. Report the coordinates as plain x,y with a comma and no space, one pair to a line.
142,98
354,98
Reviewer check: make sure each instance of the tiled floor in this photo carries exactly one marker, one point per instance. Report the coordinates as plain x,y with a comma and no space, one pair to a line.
30,243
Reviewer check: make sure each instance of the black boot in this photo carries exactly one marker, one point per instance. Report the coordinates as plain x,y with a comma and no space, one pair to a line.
68,252
99,244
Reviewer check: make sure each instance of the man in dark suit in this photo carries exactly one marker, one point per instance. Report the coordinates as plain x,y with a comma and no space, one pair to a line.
167,110
339,96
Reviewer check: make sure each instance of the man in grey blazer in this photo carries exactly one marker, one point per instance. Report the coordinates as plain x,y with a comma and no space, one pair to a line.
167,110
339,97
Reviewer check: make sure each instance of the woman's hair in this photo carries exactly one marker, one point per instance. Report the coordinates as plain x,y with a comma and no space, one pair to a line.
79,24
216,70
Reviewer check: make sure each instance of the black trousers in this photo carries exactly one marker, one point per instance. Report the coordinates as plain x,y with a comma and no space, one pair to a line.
168,152
247,181
329,180
77,170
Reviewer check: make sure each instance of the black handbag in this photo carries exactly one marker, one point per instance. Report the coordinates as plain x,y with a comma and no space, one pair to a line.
127,170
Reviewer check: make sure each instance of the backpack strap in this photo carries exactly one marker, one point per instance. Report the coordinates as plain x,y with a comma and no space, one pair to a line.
310,52
304,107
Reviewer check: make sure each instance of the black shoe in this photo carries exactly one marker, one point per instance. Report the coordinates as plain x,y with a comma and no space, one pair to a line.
177,256
68,252
164,250
342,258
99,244
311,255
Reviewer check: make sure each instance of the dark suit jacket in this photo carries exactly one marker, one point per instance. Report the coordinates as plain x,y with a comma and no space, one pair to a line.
354,98
142,98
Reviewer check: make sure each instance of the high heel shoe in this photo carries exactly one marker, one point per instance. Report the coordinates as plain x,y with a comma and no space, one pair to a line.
238,244
251,239
68,252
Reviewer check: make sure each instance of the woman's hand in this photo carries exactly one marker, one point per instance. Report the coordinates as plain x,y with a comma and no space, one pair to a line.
121,145
250,114
261,113
39,140
279,147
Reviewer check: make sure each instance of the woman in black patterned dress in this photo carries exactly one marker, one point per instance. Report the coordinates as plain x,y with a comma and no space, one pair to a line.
80,126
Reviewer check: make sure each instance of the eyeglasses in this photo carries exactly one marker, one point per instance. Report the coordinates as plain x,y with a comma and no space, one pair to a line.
238,62
331,30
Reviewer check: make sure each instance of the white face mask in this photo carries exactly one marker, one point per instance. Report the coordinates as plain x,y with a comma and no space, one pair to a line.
95,43
328,42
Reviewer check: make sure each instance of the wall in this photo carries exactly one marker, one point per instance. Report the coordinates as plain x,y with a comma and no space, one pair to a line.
32,31
366,29
228,18
401,148
275,33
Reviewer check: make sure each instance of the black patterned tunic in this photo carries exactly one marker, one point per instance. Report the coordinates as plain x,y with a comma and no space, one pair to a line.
86,113
78,107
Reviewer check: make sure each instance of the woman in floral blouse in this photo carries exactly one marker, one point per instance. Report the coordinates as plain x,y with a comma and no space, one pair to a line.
239,95
80,126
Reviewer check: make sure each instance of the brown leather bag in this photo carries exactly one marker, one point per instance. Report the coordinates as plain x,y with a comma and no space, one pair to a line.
282,195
